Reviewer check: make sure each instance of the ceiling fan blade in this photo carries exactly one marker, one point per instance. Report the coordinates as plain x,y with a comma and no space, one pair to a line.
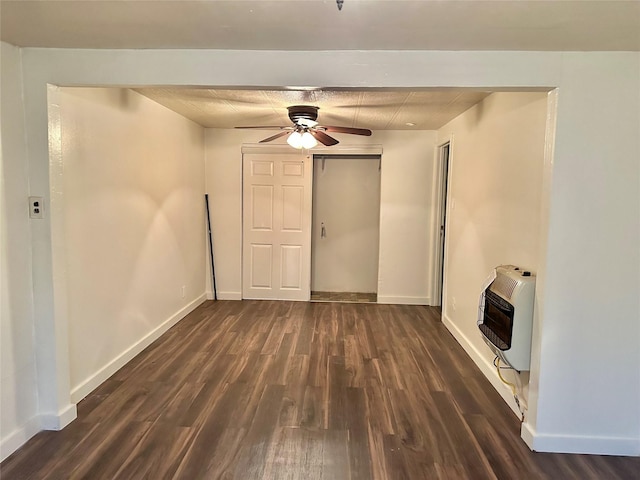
323,138
353,131
266,127
273,137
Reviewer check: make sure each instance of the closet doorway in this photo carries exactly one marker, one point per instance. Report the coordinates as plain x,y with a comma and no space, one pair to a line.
345,228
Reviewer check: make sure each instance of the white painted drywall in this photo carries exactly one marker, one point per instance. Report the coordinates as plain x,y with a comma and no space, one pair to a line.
18,388
223,165
588,378
133,214
598,110
405,210
495,188
346,201
405,272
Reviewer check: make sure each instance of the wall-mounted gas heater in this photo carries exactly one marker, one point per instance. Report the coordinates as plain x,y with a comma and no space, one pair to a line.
506,315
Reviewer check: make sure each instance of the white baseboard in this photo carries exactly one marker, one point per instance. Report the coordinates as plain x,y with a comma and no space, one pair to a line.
229,296
19,437
392,300
579,444
544,442
484,364
528,434
60,420
88,385
35,424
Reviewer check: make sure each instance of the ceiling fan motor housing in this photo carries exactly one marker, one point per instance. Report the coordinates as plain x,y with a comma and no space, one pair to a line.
302,112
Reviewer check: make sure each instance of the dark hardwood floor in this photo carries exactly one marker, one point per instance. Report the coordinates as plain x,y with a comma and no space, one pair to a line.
284,390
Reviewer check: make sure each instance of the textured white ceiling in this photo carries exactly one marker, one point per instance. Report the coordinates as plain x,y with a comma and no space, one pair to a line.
373,109
318,25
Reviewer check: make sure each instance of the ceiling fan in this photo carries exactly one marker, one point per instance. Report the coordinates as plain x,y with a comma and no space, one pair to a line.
305,131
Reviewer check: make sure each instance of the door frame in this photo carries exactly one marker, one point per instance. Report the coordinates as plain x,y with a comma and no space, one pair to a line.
442,206
336,154
246,148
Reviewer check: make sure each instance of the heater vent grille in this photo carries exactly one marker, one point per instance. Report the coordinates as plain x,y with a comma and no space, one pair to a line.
504,286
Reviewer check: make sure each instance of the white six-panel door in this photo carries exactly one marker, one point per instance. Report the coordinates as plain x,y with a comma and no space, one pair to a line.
276,251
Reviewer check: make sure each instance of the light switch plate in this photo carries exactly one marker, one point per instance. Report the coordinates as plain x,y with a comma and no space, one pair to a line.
36,207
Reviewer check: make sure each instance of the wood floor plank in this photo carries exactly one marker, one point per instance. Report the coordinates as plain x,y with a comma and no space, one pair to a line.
156,455
465,447
395,460
306,331
358,441
416,444
106,446
377,453
270,390
507,459
297,370
353,361
174,409
198,458
291,409
315,409
379,411
279,369
45,451
252,458
206,399
335,455
337,381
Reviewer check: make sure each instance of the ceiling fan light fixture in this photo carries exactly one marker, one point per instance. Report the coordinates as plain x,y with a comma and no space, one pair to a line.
302,140
308,141
305,131
295,140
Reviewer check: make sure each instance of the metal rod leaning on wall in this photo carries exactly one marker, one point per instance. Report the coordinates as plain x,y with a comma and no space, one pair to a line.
213,270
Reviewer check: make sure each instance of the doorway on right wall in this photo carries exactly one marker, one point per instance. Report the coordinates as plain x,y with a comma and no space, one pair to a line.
442,183
345,228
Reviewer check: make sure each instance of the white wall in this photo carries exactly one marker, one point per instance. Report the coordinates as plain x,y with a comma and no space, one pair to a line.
133,216
405,272
405,210
18,388
597,121
495,191
588,377
346,200
223,162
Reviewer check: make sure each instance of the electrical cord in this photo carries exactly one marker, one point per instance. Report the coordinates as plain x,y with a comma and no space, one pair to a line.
496,362
511,385
496,365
